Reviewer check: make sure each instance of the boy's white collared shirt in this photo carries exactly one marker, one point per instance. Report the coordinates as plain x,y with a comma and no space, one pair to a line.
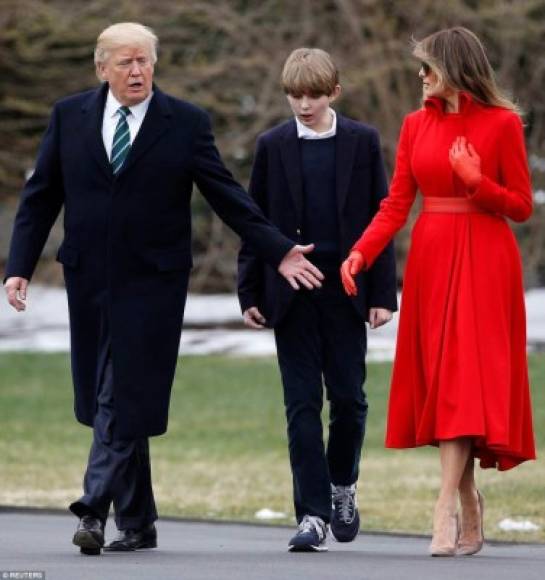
111,118
304,132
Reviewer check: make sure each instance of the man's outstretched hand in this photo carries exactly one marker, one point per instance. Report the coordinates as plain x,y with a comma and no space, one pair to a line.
16,288
296,269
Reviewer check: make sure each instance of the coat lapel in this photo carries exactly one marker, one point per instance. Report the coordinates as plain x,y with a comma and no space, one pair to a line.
93,112
291,158
155,123
347,141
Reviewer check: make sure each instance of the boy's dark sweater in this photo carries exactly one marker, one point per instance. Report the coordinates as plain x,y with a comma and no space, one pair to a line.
320,220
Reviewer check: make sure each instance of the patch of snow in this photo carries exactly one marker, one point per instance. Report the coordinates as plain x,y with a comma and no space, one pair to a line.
267,514
510,525
44,326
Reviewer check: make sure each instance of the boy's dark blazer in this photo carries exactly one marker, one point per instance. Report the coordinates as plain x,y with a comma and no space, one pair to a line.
277,186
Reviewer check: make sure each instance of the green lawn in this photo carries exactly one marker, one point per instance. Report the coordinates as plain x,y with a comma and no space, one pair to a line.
225,454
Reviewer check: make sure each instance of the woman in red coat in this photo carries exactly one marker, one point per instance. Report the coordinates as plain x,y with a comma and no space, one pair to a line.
460,377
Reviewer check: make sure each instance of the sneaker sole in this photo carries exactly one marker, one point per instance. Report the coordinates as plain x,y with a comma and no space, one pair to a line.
345,539
307,548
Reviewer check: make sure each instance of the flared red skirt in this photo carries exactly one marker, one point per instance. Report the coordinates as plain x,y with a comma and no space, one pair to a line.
461,368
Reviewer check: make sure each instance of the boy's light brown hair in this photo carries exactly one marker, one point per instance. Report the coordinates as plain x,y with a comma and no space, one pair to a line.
311,72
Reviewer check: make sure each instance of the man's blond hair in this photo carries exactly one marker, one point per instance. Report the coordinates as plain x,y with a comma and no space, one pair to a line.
125,34
309,71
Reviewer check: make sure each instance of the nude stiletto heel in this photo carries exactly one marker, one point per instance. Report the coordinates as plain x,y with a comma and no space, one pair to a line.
446,548
470,548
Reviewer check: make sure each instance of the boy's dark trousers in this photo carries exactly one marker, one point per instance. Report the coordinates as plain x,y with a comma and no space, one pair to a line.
322,335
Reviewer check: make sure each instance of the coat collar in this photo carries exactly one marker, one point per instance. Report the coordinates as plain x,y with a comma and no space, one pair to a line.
437,104
155,123
93,113
346,142
291,158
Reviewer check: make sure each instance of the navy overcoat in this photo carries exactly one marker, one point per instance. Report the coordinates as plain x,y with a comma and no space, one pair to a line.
127,246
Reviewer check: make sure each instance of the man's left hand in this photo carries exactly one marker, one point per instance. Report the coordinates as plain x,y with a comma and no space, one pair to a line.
379,316
296,269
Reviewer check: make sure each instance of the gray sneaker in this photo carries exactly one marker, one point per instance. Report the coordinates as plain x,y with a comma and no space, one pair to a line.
310,537
345,518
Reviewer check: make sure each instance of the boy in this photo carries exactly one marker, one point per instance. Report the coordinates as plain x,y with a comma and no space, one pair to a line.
319,178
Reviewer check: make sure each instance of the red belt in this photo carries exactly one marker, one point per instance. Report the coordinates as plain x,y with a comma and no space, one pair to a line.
450,205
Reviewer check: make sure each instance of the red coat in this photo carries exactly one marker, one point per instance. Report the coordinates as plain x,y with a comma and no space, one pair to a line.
460,367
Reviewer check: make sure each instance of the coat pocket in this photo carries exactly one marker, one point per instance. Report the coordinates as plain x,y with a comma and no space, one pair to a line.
68,256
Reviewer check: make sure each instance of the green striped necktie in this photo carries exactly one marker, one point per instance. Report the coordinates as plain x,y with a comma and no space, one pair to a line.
122,140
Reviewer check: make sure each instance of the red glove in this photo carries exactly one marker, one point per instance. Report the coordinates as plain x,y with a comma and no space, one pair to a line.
349,268
465,162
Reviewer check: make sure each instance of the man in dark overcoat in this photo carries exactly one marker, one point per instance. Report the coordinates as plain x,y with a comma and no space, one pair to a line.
122,161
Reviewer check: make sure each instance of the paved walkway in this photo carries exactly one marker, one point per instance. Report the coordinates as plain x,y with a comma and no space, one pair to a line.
204,551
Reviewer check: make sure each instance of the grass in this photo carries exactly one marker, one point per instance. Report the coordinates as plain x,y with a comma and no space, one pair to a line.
225,454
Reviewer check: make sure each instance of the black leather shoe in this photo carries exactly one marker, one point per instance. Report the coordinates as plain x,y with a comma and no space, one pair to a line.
89,535
130,540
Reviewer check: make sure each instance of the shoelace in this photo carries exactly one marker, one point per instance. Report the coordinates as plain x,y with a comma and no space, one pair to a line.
310,523
345,502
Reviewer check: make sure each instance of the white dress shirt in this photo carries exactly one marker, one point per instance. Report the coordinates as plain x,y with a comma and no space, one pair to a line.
304,132
111,118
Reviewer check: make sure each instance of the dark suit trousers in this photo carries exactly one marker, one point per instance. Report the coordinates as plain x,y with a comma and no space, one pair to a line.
118,470
322,336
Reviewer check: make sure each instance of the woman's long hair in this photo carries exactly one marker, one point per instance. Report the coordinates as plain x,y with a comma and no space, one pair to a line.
459,59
